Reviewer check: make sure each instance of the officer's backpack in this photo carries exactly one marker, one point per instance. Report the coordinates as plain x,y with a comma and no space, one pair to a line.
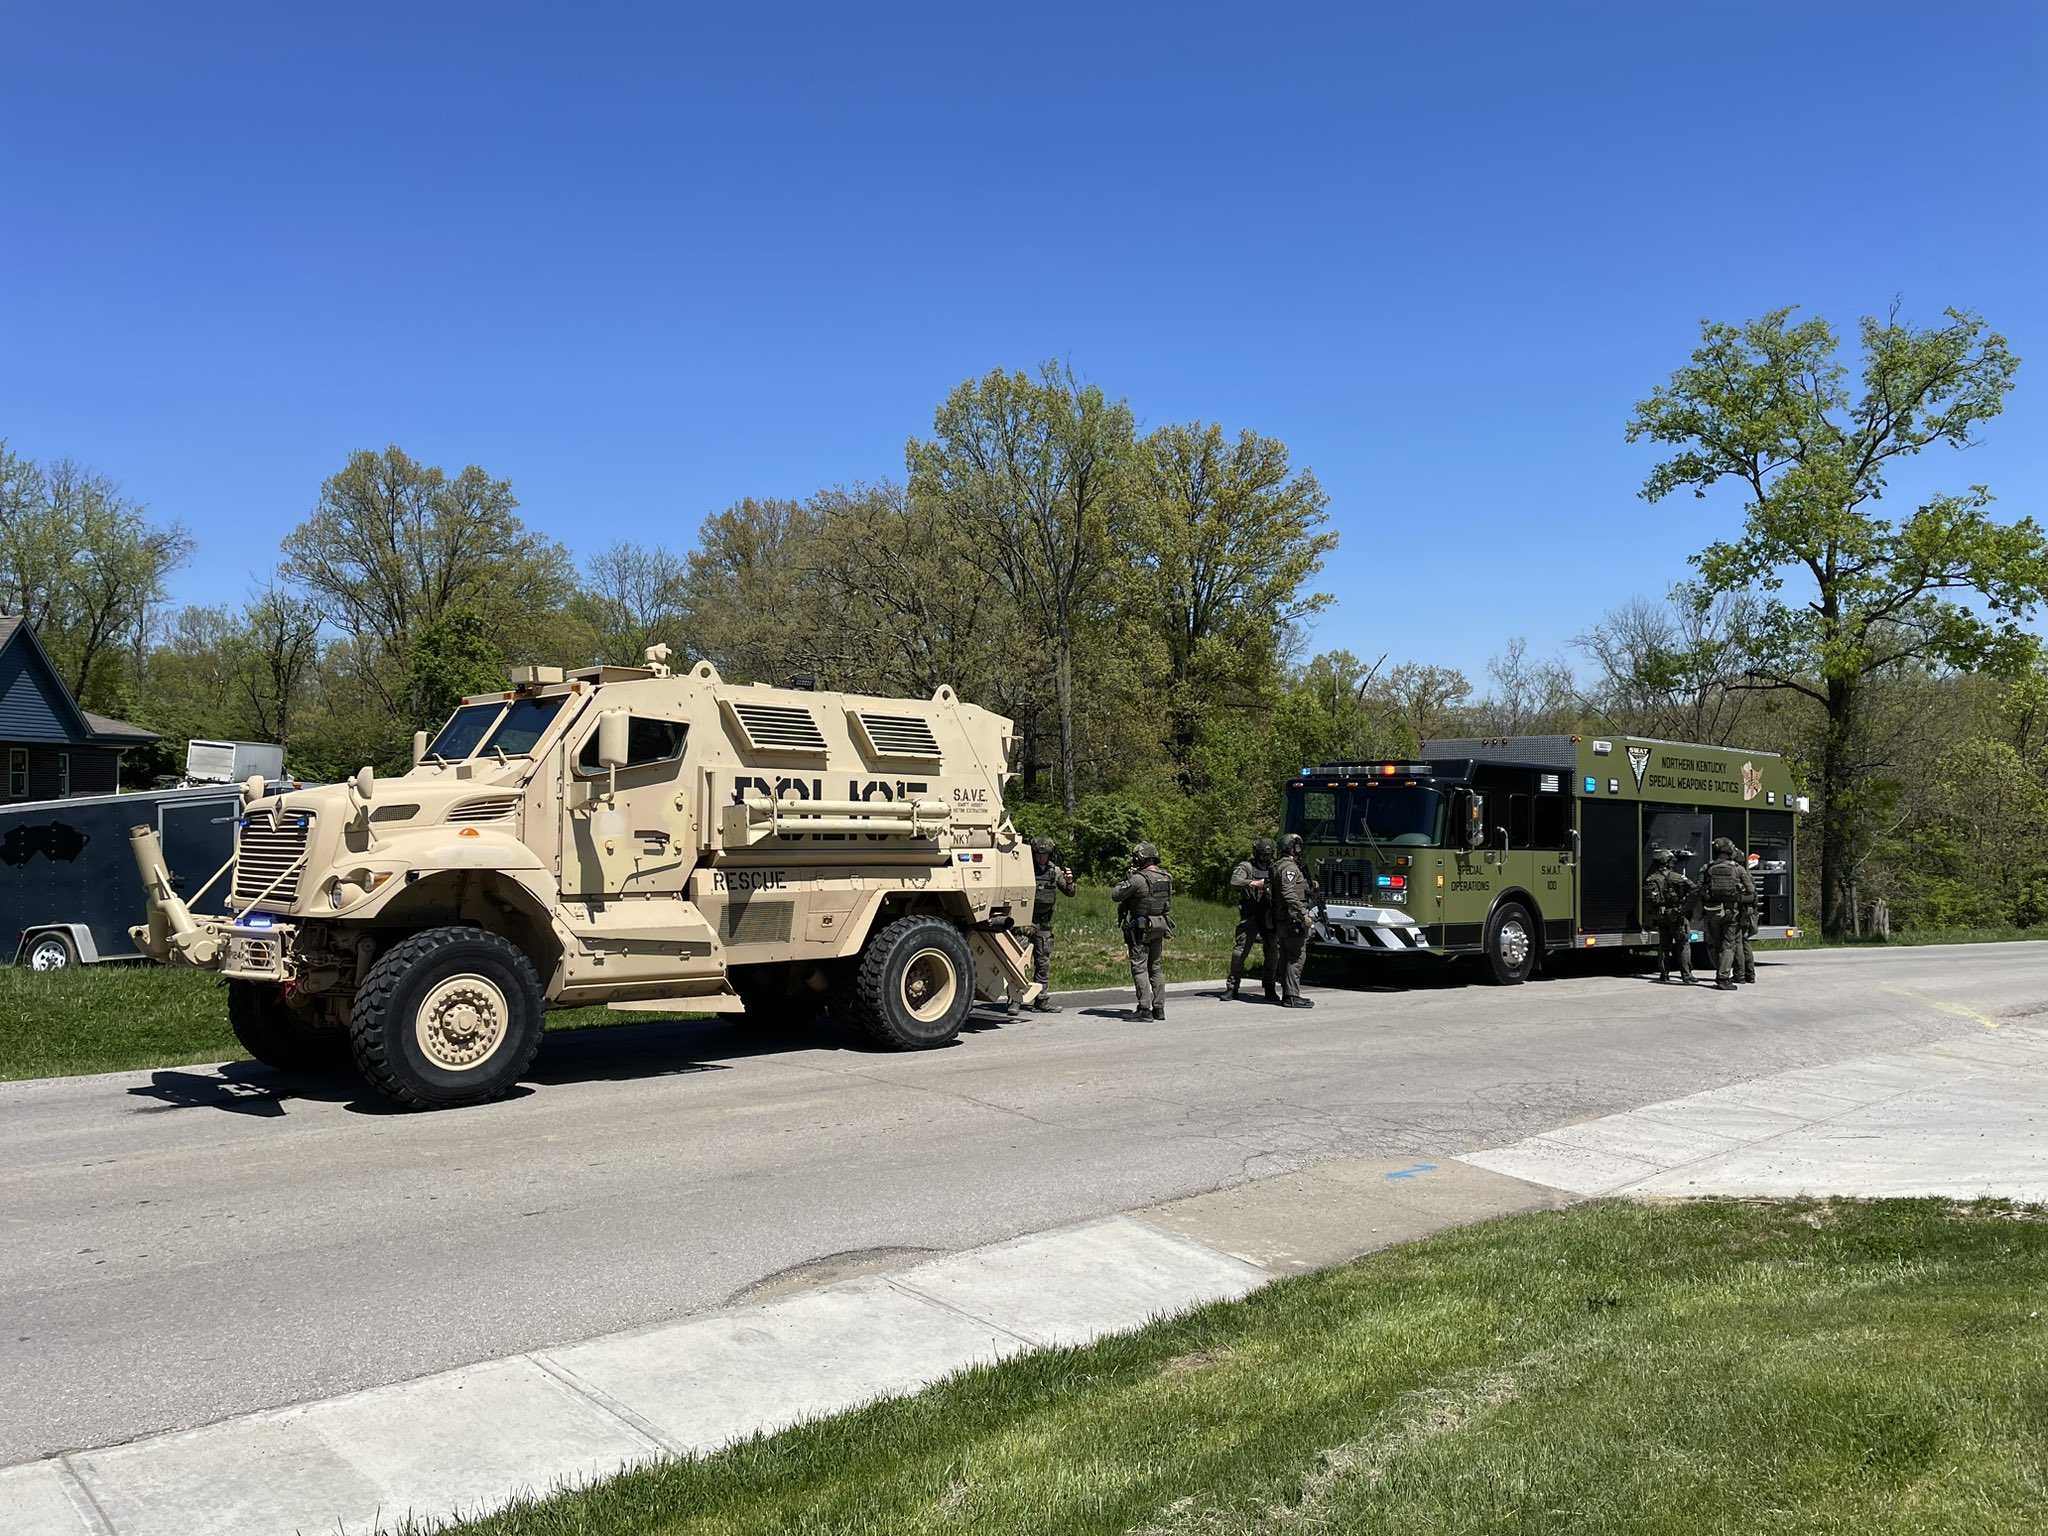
1724,883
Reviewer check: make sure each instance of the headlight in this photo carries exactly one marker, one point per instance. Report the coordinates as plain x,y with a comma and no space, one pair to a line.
352,887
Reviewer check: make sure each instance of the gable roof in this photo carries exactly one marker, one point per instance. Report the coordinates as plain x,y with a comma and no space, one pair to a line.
84,726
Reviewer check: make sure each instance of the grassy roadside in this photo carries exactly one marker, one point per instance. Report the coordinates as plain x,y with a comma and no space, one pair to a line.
120,1017
116,1018
1706,1368
1917,938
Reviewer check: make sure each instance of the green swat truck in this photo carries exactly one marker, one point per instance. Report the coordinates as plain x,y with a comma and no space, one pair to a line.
1514,847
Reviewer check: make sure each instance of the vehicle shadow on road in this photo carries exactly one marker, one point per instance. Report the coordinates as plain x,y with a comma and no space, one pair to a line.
243,1088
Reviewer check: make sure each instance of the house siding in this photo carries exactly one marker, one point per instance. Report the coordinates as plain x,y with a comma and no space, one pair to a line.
31,709
94,770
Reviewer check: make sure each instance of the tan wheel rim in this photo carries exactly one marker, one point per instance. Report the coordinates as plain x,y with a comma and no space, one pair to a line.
930,984
462,1022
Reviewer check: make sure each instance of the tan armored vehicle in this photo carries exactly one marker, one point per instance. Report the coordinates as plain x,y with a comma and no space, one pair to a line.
629,836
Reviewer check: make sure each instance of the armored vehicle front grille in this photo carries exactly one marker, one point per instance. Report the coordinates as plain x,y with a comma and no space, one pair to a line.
899,736
756,922
778,727
488,808
269,847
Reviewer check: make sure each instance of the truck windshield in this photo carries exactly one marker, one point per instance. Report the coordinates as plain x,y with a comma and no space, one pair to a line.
524,724
1401,814
465,728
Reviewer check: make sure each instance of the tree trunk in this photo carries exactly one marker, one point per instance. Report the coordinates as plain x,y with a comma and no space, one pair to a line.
1063,682
1837,824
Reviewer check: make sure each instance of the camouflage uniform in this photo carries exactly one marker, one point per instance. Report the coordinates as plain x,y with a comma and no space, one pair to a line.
1051,882
1253,882
1144,902
1721,895
1746,925
1295,895
1666,896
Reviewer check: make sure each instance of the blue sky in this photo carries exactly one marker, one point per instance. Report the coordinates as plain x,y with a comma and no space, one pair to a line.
645,262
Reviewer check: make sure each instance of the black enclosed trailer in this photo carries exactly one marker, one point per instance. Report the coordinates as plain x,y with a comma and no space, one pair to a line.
68,887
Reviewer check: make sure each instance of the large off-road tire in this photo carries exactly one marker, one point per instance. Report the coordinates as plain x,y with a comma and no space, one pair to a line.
1510,945
914,985
448,1016
280,1035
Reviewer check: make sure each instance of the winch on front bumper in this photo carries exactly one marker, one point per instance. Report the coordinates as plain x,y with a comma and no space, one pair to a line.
1375,930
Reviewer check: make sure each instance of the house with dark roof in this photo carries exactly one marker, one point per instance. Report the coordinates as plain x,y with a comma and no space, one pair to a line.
49,747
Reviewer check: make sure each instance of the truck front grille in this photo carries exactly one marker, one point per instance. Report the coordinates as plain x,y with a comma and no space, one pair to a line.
271,844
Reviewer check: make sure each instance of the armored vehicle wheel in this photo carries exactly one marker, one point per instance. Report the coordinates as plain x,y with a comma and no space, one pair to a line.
449,1016
278,1034
1510,944
915,984
49,952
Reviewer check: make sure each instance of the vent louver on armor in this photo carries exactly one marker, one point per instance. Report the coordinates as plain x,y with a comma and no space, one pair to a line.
898,735
778,727
485,808
756,922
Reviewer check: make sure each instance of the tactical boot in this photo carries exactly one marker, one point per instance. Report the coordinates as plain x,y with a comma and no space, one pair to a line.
1722,984
1297,1002
1230,991
1158,1014
1011,1010
1045,1005
1663,977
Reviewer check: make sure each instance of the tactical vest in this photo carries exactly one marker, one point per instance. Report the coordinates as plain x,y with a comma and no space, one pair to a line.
1046,893
1158,894
1249,901
1724,883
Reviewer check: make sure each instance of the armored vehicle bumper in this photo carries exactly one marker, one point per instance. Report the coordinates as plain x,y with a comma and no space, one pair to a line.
1369,930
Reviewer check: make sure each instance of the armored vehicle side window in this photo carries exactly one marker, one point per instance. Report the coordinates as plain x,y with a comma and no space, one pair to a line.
465,728
524,724
647,741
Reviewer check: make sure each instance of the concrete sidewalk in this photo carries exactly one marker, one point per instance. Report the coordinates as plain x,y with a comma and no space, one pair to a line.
1963,1117
467,1441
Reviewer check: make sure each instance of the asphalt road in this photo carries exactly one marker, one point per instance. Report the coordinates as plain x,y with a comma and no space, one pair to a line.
181,1245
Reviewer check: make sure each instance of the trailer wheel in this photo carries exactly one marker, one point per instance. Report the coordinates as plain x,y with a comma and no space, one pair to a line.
279,1035
448,1016
1510,944
915,984
49,952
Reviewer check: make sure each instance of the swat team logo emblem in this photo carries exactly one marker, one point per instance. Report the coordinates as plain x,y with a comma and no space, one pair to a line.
1639,762
1752,781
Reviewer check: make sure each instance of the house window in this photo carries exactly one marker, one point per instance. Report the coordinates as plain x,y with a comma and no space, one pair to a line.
17,771
63,774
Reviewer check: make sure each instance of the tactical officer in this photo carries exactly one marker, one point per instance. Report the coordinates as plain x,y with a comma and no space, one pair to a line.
1746,925
1052,882
1253,882
1722,900
1295,894
1144,903
1667,895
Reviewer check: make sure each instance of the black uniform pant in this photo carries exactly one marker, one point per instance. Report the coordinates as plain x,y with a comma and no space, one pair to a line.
1250,931
1674,944
1294,934
1723,931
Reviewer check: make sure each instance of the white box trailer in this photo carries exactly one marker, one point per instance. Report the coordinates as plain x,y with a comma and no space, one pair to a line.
232,762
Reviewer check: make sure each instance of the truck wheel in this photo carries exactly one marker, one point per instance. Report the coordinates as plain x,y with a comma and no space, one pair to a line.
49,952
449,1016
915,984
279,1035
1510,944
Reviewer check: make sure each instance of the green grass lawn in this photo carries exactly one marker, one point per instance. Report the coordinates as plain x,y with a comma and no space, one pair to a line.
1683,1369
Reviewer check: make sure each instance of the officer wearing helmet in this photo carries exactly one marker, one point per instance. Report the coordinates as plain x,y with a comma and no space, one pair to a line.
1051,881
1144,900
1295,894
1252,880
1724,885
1667,902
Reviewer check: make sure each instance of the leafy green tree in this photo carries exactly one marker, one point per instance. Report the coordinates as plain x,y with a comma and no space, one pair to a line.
1231,534
1845,592
393,544
1036,474
452,657
84,565
633,597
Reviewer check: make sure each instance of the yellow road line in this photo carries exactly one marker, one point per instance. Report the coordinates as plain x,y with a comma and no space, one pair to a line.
1942,1005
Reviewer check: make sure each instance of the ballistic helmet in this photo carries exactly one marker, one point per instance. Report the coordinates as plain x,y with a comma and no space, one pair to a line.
1262,850
1144,854
1043,845
1724,848
1291,844
1660,858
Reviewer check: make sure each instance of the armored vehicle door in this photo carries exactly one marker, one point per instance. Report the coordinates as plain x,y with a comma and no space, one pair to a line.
631,830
